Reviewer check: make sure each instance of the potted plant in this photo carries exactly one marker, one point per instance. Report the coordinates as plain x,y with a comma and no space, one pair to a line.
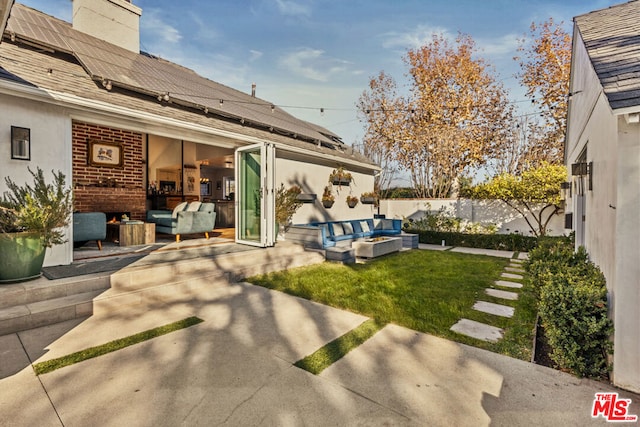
327,198
352,201
339,176
31,218
369,198
287,204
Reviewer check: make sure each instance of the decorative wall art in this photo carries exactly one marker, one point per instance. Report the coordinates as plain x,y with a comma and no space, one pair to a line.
106,154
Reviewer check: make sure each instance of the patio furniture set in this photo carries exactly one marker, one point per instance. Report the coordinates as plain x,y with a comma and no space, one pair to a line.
350,239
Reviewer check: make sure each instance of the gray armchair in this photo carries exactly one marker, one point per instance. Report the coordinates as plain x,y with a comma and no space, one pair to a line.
89,226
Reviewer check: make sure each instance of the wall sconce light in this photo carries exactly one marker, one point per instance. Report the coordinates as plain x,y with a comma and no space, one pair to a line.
20,143
582,169
565,190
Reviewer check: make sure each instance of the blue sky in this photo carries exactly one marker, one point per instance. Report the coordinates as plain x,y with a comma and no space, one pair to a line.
305,55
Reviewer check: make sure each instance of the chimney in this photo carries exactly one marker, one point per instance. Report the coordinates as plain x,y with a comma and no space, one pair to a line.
253,90
114,21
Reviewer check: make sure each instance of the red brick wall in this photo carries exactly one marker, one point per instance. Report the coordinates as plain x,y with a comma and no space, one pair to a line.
129,194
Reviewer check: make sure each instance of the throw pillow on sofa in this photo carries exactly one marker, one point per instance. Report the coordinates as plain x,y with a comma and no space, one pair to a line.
177,209
193,207
337,229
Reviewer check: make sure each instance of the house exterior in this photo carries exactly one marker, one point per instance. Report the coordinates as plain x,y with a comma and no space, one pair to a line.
134,132
602,154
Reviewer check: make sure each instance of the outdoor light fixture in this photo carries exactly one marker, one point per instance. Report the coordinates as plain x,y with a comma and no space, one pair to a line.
20,143
107,84
581,169
565,189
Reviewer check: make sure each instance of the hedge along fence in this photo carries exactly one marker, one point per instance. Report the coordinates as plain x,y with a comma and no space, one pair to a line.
573,307
503,242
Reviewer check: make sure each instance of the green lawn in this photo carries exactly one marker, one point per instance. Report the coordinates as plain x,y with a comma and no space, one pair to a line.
427,291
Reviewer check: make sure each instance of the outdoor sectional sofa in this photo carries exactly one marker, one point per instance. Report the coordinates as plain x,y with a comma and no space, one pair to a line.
186,218
329,234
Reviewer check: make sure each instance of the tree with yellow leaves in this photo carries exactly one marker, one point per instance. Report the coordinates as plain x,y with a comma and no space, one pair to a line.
545,62
535,194
452,120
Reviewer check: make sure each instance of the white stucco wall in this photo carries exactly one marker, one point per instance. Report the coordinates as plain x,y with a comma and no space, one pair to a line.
626,288
600,139
612,213
50,150
483,211
312,177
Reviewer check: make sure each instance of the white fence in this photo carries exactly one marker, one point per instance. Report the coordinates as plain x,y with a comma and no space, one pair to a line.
483,211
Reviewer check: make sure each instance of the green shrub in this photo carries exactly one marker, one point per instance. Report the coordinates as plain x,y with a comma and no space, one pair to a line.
550,256
503,242
573,312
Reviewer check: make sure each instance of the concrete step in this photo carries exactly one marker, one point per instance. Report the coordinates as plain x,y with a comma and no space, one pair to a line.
46,312
43,289
177,281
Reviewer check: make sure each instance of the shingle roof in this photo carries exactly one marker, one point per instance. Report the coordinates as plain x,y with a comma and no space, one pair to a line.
612,39
137,79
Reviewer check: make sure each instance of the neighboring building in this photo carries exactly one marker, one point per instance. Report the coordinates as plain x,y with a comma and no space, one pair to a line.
82,87
602,155
5,8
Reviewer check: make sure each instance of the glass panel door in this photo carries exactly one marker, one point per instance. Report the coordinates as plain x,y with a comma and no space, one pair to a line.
255,195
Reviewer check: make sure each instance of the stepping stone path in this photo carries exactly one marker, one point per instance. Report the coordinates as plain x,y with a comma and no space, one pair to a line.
502,294
492,308
507,284
486,332
478,330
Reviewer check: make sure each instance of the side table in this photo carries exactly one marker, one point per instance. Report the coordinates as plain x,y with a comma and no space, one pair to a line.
131,233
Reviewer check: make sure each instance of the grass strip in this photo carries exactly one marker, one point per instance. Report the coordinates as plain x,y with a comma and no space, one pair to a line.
338,348
90,353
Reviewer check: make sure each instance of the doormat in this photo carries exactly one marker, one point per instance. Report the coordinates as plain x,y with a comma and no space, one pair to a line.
88,267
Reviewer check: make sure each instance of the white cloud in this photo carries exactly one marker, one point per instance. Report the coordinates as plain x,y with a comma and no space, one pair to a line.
412,39
505,45
293,8
313,64
159,30
254,55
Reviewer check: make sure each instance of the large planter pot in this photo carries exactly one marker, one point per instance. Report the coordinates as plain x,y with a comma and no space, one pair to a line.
22,256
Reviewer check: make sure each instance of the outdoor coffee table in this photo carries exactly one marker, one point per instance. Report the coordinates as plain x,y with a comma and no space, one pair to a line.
378,246
130,233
